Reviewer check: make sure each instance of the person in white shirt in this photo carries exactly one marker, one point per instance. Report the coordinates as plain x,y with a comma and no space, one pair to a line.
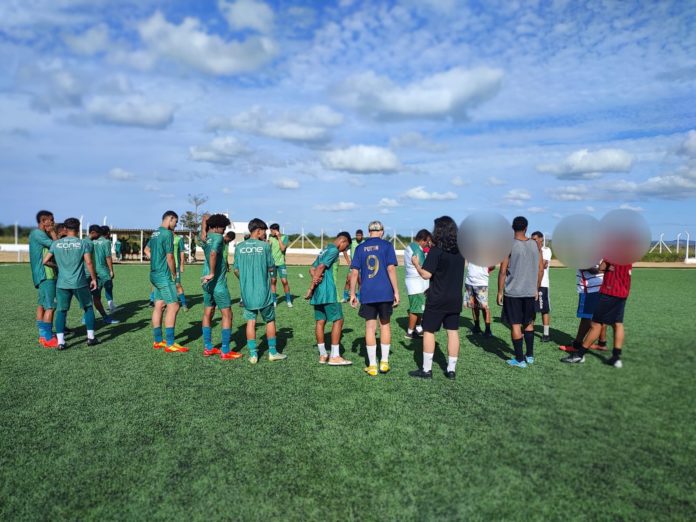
543,305
476,298
414,256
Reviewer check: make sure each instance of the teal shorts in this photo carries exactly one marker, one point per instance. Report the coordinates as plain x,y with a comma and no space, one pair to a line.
328,312
101,283
65,295
219,296
47,294
279,270
166,292
416,303
267,314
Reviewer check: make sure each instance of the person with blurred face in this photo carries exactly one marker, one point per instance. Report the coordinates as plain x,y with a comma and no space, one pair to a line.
543,305
416,286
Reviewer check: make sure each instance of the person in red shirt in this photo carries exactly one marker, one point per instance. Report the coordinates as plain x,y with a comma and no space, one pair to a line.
610,311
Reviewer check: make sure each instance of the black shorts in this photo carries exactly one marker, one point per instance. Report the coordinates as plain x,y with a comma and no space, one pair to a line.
609,310
433,319
370,311
518,310
542,304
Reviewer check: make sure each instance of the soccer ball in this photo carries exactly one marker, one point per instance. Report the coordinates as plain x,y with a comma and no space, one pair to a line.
301,276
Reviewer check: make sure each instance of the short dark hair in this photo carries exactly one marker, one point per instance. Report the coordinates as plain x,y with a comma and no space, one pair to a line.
72,224
275,226
231,235
169,213
359,231
218,221
105,230
423,234
256,224
520,224
95,228
445,234
344,234
59,226
42,214
538,234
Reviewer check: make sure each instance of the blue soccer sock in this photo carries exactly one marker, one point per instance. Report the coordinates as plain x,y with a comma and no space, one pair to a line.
208,337
108,293
182,299
272,346
152,296
226,335
288,297
275,298
40,326
169,334
157,334
48,328
251,344
89,318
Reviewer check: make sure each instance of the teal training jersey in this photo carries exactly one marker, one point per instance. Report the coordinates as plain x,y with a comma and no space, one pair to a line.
102,251
69,254
206,268
39,243
178,249
325,292
278,254
161,243
216,243
253,259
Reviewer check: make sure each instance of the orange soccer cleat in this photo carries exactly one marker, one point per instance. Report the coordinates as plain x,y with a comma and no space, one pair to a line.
176,348
50,343
159,345
212,351
230,356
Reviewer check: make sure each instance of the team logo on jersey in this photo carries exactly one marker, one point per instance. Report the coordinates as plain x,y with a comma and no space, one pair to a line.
251,250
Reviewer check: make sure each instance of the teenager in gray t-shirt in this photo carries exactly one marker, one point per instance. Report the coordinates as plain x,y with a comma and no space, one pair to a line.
518,287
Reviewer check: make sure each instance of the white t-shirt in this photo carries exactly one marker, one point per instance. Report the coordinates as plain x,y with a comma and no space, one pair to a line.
546,256
476,275
415,284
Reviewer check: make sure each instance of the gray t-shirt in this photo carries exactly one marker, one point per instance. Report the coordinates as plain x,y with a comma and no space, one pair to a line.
523,269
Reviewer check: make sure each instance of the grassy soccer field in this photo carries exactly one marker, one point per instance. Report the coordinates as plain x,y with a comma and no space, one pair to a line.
121,431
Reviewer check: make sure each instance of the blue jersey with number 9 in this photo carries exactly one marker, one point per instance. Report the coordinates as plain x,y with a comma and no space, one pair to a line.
372,257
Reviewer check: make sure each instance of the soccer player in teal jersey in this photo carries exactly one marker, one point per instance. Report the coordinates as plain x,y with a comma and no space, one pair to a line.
43,276
322,292
109,285
353,245
179,261
162,274
214,282
279,244
73,257
101,252
253,262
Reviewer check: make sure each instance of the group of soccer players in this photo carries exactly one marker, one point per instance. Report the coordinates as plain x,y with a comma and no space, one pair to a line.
63,266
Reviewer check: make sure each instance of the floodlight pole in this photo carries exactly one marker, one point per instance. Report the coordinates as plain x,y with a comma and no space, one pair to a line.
142,249
19,254
104,223
688,238
81,218
678,237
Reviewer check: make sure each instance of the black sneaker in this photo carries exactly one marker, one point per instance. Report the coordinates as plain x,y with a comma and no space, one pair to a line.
476,329
412,335
545,338
93,342
451,375
419,373
574,359
62,347
615,362
488,334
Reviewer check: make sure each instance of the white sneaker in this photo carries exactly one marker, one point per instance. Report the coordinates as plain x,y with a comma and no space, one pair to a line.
618,364
289,304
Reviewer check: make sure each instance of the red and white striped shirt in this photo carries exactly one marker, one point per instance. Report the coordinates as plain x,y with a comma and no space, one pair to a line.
588,282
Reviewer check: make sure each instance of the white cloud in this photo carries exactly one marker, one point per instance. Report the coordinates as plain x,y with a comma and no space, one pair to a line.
188,44
247,14
92,41
537,210
590,209
446,94
361,159
517,196
133,111
223,150
337,207
388,203
583,164
119,174
287,183
496,182
421,194
312,125
688,146
356,181
635,208
679,184
415,140
571,193
458,181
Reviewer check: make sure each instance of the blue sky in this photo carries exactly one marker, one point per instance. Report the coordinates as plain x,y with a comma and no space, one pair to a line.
331,114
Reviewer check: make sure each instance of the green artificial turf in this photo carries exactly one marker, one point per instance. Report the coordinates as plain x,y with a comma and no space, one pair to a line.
122,431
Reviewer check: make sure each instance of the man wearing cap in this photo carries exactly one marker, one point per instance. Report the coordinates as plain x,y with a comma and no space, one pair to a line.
375,262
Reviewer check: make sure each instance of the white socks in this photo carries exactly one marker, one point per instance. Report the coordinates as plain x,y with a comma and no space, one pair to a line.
385,352
546,329
61,338
90,334
427,361
409,331
372,354
335,350
451,364
322,349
